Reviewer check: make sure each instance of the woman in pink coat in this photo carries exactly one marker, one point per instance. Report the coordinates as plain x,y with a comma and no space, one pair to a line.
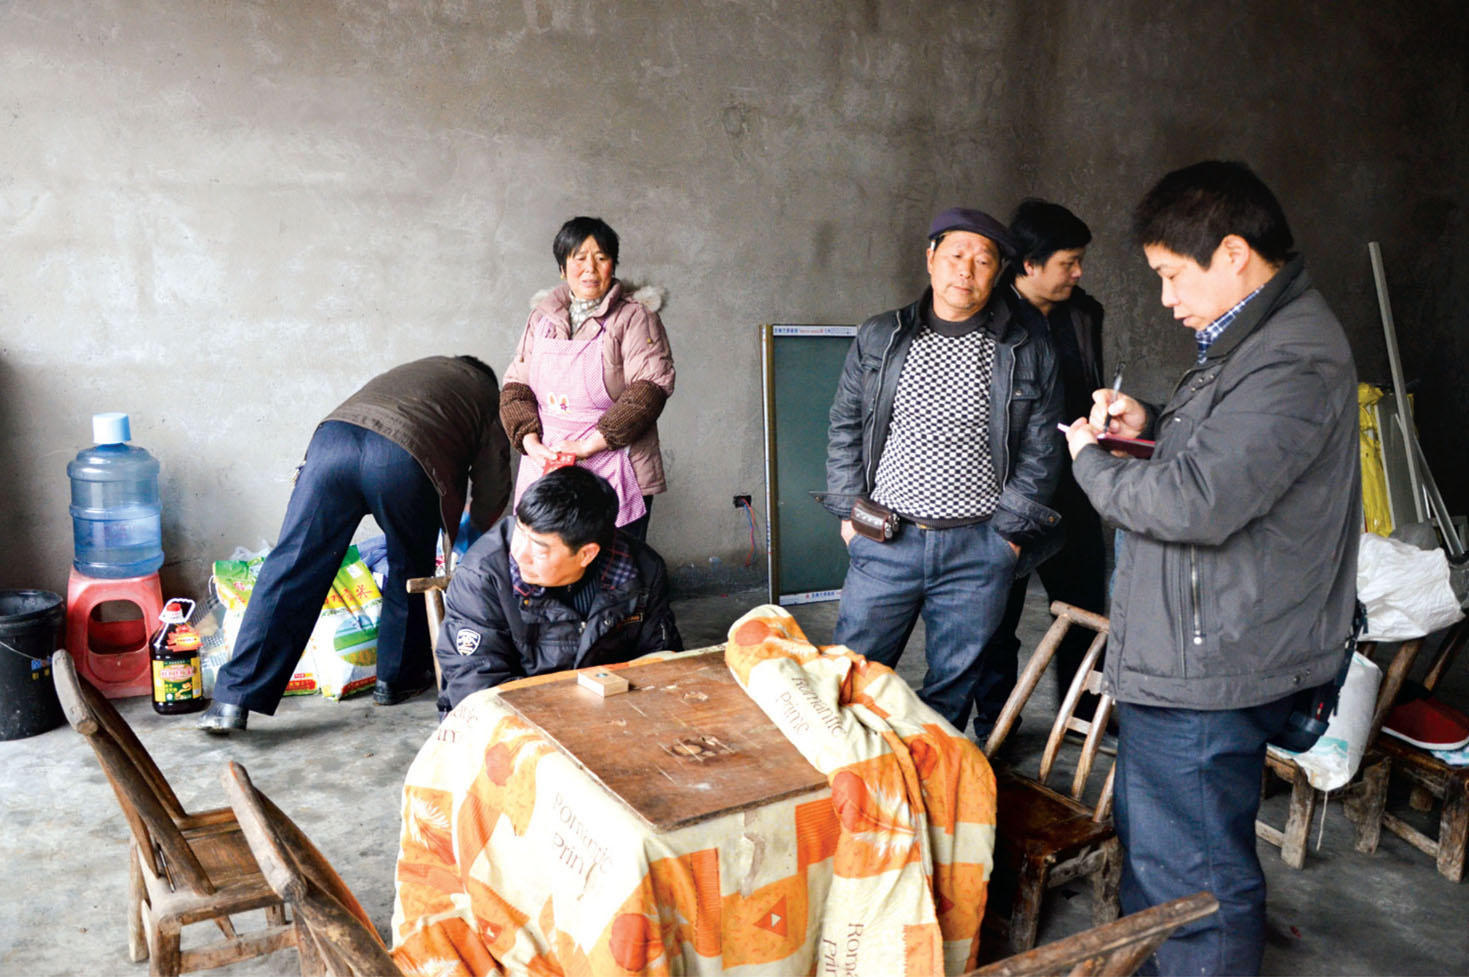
591,375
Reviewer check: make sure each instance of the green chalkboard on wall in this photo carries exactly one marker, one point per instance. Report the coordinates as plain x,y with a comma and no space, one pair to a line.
802,364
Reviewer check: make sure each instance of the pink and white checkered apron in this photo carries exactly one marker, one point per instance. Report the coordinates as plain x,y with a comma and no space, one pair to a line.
566,375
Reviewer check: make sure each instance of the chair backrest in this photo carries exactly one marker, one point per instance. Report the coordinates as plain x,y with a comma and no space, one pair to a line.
339,929
432,589
1088,679
1450,647
1113,949
148,802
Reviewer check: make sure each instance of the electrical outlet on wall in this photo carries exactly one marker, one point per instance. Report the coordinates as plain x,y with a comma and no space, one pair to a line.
741,500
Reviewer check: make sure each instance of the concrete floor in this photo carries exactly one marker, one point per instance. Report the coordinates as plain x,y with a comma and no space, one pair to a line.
337,768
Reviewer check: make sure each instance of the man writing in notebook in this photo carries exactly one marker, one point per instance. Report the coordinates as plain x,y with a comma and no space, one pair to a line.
1236,581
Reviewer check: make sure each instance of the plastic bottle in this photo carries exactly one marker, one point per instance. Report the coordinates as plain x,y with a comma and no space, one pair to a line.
178,680
115,515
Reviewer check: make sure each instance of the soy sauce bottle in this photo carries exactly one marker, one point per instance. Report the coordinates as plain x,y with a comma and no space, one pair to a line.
178,679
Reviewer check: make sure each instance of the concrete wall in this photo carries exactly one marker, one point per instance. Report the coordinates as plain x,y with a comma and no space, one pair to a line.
223,217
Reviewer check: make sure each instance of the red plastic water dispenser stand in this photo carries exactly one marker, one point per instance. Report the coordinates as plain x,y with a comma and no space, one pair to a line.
112,655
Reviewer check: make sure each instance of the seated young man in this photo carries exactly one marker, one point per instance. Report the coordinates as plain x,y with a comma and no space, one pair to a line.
556,587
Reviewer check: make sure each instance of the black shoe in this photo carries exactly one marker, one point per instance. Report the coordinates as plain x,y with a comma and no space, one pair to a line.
221,717
384,694
983,729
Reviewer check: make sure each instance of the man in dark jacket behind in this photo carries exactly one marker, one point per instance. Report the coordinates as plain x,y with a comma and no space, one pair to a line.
1236,582
404,448
1050,244
945,415
556,587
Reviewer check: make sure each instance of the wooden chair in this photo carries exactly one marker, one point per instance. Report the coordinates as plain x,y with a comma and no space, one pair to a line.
1292,839
184,868
432,589
335,935
1429,780
1045,838
1113,949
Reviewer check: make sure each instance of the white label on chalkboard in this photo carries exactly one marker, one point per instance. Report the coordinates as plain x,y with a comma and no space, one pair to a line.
810,597
778,330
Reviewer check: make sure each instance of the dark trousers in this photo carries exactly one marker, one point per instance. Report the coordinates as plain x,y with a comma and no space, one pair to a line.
349,473
638,528
1076,575
956,578
1187,792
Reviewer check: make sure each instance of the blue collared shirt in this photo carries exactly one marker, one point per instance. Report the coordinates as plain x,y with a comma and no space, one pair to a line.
1215,329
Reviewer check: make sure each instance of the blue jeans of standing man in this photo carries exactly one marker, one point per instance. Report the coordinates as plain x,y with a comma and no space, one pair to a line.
958,579
349,473
1187,792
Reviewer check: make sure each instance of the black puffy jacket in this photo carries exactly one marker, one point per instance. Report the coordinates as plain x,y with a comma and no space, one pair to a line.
498,627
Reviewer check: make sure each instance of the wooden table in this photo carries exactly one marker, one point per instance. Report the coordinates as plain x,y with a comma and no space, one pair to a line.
683,744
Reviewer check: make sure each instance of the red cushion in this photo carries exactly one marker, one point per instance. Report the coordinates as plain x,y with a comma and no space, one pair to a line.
1429,724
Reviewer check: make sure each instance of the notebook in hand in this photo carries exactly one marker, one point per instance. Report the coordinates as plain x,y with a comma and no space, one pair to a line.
1136,447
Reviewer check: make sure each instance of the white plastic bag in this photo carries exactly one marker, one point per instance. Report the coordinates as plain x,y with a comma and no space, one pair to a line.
1406,590
1333,761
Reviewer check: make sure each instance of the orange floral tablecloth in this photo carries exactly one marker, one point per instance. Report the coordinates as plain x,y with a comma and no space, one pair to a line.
513,859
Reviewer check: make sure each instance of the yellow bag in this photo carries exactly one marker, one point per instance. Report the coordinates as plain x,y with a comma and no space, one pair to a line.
341,654
233,582
343,645
1375,509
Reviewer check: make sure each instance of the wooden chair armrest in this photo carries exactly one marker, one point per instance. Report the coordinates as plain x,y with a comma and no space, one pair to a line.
422,585
1124,943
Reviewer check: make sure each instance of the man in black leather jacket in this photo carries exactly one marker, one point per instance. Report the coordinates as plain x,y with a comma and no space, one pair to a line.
556,587
946,415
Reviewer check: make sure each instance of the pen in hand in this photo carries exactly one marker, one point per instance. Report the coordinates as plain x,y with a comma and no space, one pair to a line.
1116,389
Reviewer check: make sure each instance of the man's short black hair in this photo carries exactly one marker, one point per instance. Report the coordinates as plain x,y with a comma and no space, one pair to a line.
1191,210
1041,228
478,364
577,230
572,503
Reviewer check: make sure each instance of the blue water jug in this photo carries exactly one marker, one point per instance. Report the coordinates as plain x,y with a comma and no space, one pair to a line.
115,516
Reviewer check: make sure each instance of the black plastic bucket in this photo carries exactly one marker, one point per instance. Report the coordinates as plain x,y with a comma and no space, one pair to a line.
30,627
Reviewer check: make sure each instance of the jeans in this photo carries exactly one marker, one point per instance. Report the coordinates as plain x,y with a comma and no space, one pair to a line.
958,579
1076,575
349,472
1187,792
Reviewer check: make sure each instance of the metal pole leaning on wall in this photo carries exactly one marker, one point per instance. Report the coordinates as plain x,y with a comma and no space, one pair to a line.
1440,509
1419,475
1384,306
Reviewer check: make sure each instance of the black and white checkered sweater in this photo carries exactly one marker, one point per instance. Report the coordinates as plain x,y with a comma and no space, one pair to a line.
937,462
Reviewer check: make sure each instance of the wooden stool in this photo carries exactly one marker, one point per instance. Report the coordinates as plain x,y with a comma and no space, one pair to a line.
112,655
1429,778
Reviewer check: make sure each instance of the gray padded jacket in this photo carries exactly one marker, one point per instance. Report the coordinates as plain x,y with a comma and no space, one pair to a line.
1237,576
